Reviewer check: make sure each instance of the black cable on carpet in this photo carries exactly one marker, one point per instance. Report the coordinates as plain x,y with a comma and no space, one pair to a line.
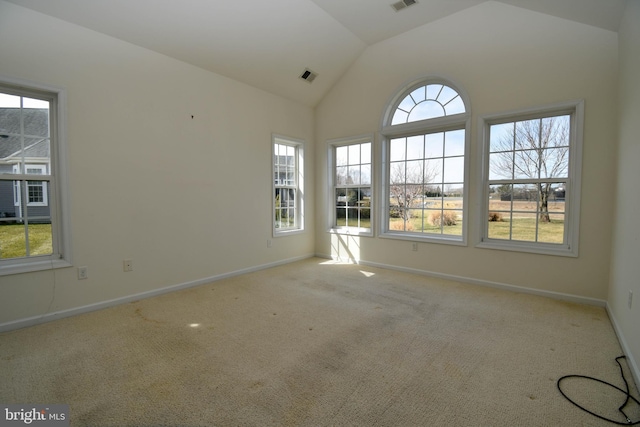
620,409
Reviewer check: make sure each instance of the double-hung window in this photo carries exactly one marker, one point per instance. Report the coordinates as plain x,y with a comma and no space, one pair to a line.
425,145
288,185
531,183
32,235
350,177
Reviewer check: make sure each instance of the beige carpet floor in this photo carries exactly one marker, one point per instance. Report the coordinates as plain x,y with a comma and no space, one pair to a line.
315,343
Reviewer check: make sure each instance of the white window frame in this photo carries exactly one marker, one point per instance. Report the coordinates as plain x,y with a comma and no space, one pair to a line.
331,162
575,109
18,188
461,121
56,179
298,186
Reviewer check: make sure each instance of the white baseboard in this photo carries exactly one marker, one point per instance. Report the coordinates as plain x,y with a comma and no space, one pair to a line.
633,365
35,320
540,292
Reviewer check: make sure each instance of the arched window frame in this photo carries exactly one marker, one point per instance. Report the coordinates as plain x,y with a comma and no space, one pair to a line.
388,131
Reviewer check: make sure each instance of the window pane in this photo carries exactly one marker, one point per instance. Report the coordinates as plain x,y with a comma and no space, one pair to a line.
419,94
365,175
555,131
500,197
399,117
527,134
397,173
501,165
415,171
426,110
456,106
454,143
433,171
365,196
354,175
354,154
12,240
366,152
501,137
446,95
36,120
554,163
433,91
415,147
40,240
526,164
341,203
407,104
499,226
434,144
342,175
397,149
341,155
524,227
454,169
552,231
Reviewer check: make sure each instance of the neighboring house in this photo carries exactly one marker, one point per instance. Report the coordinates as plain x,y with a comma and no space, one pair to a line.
24,144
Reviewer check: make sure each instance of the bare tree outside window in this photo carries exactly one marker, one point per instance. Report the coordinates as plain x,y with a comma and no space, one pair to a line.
408,185
534,153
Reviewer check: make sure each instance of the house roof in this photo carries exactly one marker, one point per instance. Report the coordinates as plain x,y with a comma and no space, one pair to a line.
36,126
269,43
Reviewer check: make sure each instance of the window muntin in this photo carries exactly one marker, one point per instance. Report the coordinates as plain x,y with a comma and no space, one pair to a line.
31,235
426,183
425,147
351,185
531,187
287,187
428,102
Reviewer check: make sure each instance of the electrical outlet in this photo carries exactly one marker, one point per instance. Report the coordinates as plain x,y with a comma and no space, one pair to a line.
83,273
630,299
414,247
127,265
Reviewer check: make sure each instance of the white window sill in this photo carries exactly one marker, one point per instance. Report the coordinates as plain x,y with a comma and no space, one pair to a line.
420,237
537,248
23,266
364,232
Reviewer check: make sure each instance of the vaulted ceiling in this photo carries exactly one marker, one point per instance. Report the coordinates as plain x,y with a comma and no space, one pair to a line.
269,43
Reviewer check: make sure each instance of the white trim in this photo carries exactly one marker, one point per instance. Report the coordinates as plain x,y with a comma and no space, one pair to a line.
59,204
299,145
47,317
487,283
574,108
633,364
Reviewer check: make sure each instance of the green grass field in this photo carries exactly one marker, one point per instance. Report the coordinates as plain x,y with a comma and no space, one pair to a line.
12,240
524,229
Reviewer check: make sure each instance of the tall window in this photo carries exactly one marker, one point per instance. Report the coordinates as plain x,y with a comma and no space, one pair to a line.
351,180
425,151
531,180
288,185
31,232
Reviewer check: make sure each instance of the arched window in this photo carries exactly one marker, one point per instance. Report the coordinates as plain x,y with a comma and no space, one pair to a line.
425,144
428,102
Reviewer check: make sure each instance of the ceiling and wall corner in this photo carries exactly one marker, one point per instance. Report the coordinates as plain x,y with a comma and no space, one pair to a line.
267,44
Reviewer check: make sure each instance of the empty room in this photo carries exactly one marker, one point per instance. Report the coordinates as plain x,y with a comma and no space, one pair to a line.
319,213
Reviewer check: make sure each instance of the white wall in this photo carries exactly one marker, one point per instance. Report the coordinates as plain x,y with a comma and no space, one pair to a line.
625,257
184,198
505,58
